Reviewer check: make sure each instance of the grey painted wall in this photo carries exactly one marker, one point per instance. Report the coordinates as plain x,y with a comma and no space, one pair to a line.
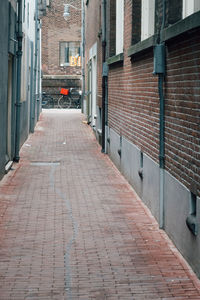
177,209
24,126
3,81
177,197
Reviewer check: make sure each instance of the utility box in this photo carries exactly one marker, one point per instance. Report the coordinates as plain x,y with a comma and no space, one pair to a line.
159,59
105,70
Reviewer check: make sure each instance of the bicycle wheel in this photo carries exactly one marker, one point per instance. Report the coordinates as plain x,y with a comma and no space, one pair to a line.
64,102
69,102
61,102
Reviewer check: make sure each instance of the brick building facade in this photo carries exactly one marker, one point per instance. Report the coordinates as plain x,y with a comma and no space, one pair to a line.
152,108
61,40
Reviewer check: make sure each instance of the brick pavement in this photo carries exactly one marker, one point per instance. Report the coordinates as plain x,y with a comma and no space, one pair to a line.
71,227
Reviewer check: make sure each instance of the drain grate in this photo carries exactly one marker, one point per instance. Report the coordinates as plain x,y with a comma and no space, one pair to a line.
45,163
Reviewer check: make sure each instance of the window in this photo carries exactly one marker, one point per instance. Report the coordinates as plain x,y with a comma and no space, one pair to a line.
173,11
143,24
190,7
70,54
148,15
119,26
116,30
136,24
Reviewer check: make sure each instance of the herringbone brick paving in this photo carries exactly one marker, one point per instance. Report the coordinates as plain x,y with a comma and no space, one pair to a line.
72,227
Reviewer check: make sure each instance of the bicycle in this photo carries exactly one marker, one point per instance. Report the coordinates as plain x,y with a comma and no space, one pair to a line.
64,101
47,101
70,98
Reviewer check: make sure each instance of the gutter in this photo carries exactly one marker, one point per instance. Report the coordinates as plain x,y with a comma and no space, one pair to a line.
18,92
83,54
35,68
38,72
159,69
104,78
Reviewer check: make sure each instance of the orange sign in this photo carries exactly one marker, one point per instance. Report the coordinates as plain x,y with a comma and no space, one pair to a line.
75,61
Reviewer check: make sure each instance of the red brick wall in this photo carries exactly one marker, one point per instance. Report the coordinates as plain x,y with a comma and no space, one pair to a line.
133,99
183,110
134,103
56,29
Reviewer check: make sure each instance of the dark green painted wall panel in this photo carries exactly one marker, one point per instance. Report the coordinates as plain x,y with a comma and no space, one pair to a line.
3,81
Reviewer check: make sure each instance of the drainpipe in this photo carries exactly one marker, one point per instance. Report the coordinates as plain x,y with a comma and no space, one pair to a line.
104,77
159,68
35,66
162,149
18,92
83,54
38,72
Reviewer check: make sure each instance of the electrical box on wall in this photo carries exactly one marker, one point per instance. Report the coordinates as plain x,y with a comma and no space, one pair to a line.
159,59
105,70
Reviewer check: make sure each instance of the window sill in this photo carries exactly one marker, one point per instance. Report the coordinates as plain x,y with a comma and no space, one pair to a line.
142,46
119,58
189,23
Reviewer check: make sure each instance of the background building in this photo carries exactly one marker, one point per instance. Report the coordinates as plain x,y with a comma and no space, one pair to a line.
61,47
148,107
20,82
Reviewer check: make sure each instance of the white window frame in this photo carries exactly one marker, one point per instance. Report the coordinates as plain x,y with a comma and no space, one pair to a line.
119,26
147,19
190,7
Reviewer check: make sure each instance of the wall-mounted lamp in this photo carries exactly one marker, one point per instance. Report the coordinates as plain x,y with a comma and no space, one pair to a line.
66,13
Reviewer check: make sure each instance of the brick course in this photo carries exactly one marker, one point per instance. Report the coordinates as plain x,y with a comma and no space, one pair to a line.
76,229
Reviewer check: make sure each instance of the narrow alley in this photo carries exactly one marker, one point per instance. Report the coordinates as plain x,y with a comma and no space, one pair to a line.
73,228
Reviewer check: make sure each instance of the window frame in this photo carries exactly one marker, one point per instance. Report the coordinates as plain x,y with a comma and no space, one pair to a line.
189,7
119,48
175,26
61,54
147,19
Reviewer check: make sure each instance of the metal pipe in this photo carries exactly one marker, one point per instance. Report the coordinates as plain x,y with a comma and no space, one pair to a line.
104,78
162,132
35,67
18,93
38,72
161,149
83,53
